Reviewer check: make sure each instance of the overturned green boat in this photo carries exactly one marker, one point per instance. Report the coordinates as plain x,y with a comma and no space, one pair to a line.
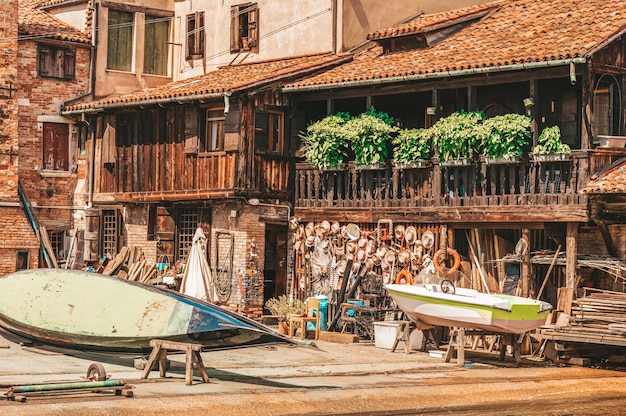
90,311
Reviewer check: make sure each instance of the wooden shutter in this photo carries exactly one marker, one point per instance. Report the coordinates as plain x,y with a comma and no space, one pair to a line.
55,146
253,18
234,29
69,64
44,60
191,130
261,137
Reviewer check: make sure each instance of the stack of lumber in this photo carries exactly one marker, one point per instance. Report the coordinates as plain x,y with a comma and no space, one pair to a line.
600,309
130,264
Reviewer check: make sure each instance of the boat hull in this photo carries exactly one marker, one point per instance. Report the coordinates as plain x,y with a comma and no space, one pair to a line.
74,309
470,309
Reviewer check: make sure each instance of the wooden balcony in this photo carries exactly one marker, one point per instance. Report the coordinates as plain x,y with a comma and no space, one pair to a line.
524,192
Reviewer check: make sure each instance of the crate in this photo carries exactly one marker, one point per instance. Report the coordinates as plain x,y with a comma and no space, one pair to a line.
385,333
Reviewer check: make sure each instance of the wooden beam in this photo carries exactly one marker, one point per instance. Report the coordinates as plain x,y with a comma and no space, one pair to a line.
526,263
608,239
571,254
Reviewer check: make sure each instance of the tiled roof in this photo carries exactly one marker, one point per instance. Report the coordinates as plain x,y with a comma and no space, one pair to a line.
228,78
426,22
35,23
516,32
613,181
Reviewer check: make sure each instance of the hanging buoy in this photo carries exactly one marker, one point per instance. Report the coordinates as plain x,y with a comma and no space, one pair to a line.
406,276
455,266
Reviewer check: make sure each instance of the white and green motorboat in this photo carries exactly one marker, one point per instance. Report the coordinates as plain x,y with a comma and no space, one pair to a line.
435,304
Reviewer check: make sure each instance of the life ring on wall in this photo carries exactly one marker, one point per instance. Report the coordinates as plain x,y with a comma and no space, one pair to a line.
455,266
406,275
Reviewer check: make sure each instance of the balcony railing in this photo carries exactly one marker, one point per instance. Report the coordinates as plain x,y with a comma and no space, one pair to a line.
527,182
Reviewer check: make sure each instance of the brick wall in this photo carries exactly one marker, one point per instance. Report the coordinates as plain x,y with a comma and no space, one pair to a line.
8,101
44,97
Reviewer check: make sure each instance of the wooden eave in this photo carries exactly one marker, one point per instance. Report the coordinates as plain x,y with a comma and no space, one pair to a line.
487,216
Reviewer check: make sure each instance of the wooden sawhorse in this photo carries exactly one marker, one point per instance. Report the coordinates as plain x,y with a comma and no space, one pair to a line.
159,353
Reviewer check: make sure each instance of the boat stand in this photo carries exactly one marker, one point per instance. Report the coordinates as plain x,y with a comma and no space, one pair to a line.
159,354
458,341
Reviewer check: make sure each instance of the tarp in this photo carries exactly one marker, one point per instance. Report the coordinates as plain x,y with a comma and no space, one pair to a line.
197,280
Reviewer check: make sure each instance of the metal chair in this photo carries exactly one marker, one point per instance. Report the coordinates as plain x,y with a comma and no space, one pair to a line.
311,314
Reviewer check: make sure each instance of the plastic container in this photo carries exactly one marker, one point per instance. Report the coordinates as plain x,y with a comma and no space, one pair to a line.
385,333
323,315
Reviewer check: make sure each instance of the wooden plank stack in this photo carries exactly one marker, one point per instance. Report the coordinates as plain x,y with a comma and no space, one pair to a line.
130,264
600,309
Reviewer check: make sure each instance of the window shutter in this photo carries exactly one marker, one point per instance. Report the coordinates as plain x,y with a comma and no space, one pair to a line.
70,64
44,60
252,27
234,29
261,136
191,130
200,37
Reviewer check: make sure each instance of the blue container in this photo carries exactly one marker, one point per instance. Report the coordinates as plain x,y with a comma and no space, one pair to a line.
323,315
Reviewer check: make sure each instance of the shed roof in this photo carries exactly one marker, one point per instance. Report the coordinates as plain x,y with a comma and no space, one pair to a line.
35,23
515,34
231,78
611,181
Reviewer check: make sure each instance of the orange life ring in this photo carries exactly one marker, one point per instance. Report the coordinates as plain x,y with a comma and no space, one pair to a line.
455,266
406,275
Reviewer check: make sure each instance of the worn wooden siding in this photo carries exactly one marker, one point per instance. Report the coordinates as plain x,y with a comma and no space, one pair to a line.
149,156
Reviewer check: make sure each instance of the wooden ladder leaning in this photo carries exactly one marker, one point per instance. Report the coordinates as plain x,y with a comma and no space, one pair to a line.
159,354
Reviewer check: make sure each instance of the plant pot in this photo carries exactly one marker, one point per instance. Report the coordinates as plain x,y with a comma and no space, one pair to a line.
370,166
501,160
550,157
463,161
283,327
341,166
411,165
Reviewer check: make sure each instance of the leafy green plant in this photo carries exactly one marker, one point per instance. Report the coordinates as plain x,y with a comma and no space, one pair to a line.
506,136
283,308
325,145
368,136
412,145
459,135
381,115
549,142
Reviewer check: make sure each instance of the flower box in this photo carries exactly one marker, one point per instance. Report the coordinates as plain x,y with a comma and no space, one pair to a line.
464,161
551,157
411,165
501,160
370,166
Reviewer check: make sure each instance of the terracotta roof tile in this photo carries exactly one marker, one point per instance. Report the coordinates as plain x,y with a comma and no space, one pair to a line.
426,22
611,182
516,32
35,23
228,78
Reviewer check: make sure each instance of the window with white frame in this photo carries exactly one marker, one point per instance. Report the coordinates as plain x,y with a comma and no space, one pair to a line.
120,40
195,35
213,139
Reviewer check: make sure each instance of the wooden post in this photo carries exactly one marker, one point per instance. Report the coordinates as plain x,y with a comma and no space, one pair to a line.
526,263
571,254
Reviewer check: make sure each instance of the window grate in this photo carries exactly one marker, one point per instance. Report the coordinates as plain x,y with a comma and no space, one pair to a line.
109,233
187,225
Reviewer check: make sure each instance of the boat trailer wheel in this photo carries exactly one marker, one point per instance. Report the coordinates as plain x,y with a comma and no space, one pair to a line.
96,372
447,286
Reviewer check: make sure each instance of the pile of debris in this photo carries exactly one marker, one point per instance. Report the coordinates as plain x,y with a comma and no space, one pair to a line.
130,264
593,333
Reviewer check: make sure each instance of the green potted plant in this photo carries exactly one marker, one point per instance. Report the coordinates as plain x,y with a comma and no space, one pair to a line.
282,308
505,138
458,137
412,147
550,146
325,146
369,136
